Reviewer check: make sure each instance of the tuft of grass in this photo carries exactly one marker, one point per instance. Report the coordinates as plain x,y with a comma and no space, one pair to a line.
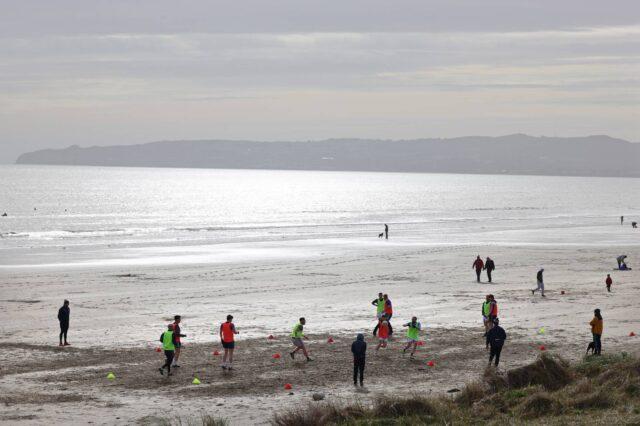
548,371
203,420
539,404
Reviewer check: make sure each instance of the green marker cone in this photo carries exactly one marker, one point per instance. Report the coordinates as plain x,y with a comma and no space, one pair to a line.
195,381
111,376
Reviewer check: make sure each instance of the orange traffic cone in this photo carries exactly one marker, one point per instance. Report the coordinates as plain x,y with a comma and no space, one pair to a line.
288,386
275,356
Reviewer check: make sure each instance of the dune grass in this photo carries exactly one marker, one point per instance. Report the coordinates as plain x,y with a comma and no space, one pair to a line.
598,390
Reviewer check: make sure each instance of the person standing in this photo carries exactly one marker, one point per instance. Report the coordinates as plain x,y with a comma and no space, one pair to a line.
297,336
478,265
168,339
63,317
227,337
486,311
597,326
379,304
383,332
608,282
621,220
359,351
387,313
489,266
540,283
176,331
413,335
495,338
386,231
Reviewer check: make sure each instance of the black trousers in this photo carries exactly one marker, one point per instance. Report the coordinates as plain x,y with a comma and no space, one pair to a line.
478,272
597,343
358,369
64,328
169,356
495,352
375,329
489,274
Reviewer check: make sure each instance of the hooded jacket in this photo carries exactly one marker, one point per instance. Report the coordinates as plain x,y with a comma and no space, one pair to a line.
359,348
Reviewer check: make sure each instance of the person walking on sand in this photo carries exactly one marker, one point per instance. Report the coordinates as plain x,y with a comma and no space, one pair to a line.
495,339
486,311
608,282
413,335
297,336
489,266
379,304
227,337
478,265
621,220
383,332
386,231
168,339
63,317
540,283
359,351
597,326
176,331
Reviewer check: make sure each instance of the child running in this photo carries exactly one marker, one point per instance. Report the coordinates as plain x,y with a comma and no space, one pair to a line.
413,334
383,332
227,333
168,339
296,337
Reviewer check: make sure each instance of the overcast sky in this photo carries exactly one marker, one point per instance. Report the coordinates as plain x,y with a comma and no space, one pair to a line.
92,72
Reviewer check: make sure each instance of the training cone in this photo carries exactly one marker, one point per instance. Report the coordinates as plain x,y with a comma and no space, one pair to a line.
632,334
542,348
420,343
288,386
542,330
275,356
195,381
271,337
158,350
330,340
216,353
431,364
111,376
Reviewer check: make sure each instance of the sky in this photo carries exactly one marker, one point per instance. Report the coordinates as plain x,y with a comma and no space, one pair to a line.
112,72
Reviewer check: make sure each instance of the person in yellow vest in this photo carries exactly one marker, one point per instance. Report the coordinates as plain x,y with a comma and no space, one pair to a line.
297,336
379,304
413,335
168,339
486,311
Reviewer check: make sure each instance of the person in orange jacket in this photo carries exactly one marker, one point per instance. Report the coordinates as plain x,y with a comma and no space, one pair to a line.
478,265
597,326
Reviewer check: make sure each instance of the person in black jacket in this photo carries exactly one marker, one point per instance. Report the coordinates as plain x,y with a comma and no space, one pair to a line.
63,317
495,338
489,266
359,350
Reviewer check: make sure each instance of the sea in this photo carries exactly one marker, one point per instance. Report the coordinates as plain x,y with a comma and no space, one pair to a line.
76,216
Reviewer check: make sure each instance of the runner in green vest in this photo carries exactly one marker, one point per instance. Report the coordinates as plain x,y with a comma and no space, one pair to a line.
379,304
296,337
168,339
413,335
486,311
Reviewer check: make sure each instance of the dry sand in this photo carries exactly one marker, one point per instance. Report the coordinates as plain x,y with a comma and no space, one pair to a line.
118,314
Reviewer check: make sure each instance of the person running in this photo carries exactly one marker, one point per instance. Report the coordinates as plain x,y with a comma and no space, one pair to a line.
227,337
388,313
386,231
383,332
608,282
540,283
495,339
176,331
489,266
478,265
620,259
486,311
63,317
297,336
359,351
413,335
379,304
597,326
168,339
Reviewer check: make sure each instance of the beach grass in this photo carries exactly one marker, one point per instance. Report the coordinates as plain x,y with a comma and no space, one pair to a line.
597,390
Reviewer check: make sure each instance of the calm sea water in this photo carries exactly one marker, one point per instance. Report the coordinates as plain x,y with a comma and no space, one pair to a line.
75,216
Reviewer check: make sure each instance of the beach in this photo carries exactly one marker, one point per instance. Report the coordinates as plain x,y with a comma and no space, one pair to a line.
119,313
